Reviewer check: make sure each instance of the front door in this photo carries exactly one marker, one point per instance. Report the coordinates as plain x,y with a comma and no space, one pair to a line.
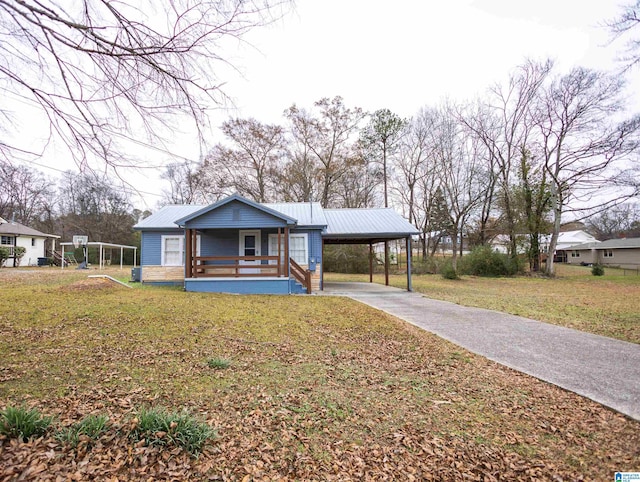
250,246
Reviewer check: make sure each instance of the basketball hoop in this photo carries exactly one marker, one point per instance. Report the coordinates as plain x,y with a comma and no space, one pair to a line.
79,240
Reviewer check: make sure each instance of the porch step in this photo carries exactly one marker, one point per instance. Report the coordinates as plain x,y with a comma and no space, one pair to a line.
295,287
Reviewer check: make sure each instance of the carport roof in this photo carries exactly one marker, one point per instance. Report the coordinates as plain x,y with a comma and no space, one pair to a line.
366,224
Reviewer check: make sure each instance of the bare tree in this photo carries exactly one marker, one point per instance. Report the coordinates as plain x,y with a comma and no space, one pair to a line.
250,165
581,141
328,140
623,220
98,69
505,124
624,25
26,195
186,185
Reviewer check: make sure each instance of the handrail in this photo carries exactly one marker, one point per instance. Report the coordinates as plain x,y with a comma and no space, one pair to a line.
301,275
235,269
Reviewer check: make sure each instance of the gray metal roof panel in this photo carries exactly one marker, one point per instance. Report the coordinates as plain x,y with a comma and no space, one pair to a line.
366,222
166,217
307,214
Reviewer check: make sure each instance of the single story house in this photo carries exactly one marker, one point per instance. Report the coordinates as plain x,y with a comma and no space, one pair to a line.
13,234
240,246
623,253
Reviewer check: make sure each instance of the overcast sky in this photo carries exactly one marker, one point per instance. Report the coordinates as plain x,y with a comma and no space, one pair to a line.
400,55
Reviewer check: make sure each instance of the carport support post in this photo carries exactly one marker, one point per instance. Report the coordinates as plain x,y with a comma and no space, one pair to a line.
409,287
370,262
386,263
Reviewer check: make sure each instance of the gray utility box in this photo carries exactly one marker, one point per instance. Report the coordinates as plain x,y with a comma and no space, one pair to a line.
136,274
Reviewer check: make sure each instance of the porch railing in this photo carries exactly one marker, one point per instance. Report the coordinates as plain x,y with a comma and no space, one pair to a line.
237,266
301,275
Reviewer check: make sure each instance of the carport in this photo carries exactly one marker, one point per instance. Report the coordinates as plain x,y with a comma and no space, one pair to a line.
369,226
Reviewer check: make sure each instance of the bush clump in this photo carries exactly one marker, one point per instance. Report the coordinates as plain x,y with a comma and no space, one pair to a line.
483,261
21,423
448,271
597,270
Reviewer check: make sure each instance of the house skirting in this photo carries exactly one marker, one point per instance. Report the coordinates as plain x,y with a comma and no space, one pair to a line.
263,286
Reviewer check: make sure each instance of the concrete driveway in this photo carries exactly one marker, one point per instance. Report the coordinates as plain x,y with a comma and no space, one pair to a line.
599,368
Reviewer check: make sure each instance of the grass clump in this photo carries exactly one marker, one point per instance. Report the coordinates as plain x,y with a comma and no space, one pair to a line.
89,429
21,423
158,426
218,363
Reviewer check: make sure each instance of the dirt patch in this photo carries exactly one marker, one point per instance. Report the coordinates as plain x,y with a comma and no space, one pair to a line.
91,284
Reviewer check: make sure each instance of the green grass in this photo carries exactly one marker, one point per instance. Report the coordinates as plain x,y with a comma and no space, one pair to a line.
22,423
87,430
606,305
320,387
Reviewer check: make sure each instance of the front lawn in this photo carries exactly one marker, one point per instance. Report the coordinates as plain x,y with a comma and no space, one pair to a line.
606,305
295,388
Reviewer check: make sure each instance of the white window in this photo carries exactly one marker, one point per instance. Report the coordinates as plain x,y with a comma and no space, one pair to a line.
575,254
298,247
173,250
608,253
6,240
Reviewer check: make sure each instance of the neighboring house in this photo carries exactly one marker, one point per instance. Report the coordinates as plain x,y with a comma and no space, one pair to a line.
623,253
240,246
566,239
14,234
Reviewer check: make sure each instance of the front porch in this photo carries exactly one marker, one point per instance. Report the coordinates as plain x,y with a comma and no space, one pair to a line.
248,272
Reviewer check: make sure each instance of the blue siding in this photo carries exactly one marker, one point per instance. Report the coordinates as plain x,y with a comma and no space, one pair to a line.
314,238
223,242
150,250
236,215
243,286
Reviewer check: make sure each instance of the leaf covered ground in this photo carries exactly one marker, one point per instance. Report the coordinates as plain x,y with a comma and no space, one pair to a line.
608,305
317,388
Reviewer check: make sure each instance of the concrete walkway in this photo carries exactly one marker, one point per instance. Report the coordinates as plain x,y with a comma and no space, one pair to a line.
600,368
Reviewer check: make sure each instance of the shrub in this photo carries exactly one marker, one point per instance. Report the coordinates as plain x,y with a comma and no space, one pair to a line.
19,253
483,261
91,427
430,265
218,363
448,271
23,424
597,270
4,255
346,258
157,426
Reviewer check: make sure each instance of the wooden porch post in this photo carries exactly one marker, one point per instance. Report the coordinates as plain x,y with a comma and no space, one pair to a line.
409,287
279,251
188,262
286,252
322,266
370,262
386,262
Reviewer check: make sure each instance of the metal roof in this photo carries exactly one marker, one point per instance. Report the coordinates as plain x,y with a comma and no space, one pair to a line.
366,223
17,229
307,214
167,216
622,243
348,224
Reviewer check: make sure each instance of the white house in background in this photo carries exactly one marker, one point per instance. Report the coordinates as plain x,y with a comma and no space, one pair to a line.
566,239
14,234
